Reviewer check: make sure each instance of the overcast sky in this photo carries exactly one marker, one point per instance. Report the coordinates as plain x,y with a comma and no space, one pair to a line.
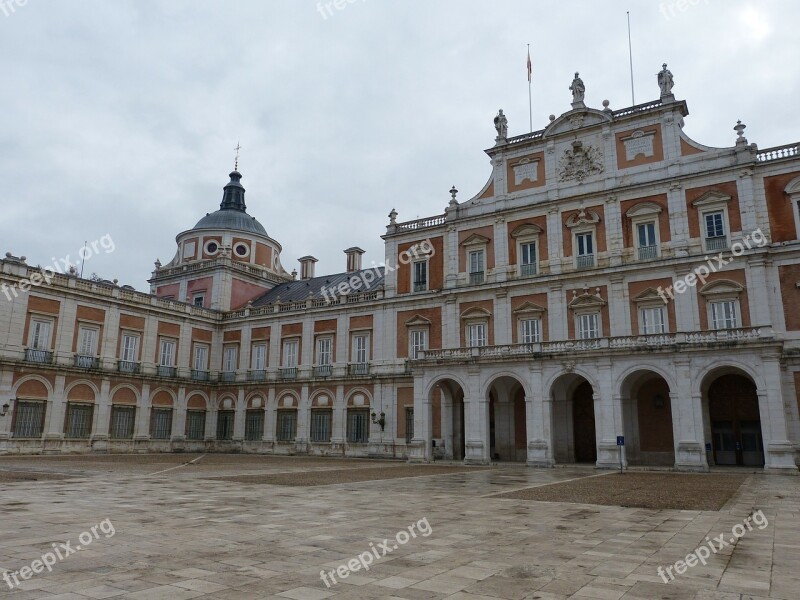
120,117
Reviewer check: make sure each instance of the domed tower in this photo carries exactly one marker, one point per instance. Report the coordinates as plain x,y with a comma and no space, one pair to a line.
224,261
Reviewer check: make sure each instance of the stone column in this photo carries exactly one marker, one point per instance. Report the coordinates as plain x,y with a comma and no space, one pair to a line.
101,418
618,306
678,219
555,246
451,257
476,422
56,409
179,419
502,318
759,291
421,448
556,312
303,421
142,430
687,310
239,417
270,417
779,451
688,433
608,418
6,397
613,227
500,250
338,419
537,415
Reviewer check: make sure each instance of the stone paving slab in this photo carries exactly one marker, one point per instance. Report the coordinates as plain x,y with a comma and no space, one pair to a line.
183,535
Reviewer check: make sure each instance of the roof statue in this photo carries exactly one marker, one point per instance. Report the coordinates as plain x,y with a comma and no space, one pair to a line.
578,90
665,82
501,125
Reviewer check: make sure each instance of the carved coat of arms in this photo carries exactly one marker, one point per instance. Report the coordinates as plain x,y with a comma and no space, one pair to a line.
580,162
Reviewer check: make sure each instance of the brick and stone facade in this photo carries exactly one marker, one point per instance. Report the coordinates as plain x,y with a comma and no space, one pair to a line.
573,300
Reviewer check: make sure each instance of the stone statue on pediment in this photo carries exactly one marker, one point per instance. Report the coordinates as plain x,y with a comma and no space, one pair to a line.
501,125
578,89
665,81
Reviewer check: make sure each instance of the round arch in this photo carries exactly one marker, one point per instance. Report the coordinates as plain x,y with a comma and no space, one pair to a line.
37,378
521,381
85,382
351,395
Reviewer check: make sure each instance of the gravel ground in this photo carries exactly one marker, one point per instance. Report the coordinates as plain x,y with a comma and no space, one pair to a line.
703,491
329,477
17,476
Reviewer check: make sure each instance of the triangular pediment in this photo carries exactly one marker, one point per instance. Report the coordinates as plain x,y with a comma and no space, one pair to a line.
418,321
721,287
711,197
475,240
649,295
529,308
643,209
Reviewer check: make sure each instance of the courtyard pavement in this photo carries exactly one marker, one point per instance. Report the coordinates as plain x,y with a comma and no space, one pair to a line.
186,526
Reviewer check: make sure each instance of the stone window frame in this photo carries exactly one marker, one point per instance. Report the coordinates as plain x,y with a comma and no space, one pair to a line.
525,312
641,214
527,233
586,304
476,316
476,243
723,290
792,190
650,298
418,324
708,203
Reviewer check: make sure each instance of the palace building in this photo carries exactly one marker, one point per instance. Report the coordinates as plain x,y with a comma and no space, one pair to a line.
613,279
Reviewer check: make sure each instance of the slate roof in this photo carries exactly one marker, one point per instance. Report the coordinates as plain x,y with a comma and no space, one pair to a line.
294,291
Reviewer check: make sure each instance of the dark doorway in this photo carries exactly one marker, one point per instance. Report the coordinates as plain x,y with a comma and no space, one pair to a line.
735,422
583,425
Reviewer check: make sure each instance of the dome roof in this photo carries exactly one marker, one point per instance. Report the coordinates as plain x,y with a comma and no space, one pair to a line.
231,219
232,213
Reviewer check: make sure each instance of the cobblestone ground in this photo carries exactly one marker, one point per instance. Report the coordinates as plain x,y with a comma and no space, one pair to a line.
182,528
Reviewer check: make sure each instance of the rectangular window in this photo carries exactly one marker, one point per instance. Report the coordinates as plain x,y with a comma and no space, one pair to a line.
419,342
528,258
476,335
529,331
357,426
129,347
361,348
254,425
28,419
195,425
324,351
123,419
259,357
225,425
166,356
723,315
585,244
199,300
290,353
40,335
715,224
420,276
476,266
646,234
589,326
321,426
161,423
652,320
78,424
200,357
409,424
87,345
231,359
287,425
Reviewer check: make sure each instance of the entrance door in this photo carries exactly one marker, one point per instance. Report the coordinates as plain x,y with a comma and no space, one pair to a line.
735,422
583,427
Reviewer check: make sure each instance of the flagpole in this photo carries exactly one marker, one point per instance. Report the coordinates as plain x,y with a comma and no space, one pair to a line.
530,101
630,52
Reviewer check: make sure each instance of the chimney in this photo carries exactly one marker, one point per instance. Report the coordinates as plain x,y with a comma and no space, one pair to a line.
307,267
354,259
